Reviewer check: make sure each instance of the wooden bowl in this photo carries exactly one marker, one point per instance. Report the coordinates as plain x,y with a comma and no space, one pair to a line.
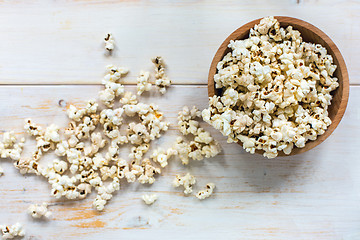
309,33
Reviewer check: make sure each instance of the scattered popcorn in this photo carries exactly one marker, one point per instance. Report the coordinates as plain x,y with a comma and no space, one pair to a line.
120,140
10,148
26,166
61,148
17,149
97,142
148,172
52,134
195,151
162,81
108,172
105,194
186,181
161,156
107,96
109,42
203,144
39,211
143,83
84,189
152,118
207,192
276,90
99,203
88,125
138,134
98,160
131,110
9,139
91,106
149,198
183,149
112,116
9,232
32,129
42,146
74,113
186,122
138,152
111,130
59,166
129,99
81,168
112,86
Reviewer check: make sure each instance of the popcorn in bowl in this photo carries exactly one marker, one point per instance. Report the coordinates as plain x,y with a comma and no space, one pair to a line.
275,90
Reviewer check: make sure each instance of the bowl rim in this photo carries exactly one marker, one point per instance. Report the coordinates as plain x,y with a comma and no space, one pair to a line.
222,50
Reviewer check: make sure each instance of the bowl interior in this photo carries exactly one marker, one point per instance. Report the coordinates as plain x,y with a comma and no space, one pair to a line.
309,33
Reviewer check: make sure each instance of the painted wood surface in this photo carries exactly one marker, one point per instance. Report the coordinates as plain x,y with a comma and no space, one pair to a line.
57,42
314,195
53,51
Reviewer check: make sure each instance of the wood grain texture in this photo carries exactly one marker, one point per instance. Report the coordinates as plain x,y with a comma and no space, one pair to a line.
58,42
309,33
314,195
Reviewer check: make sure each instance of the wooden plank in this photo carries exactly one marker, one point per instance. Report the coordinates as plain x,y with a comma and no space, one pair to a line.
311,196
61,42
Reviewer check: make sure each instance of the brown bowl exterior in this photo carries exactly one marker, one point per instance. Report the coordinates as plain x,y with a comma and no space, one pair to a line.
309,33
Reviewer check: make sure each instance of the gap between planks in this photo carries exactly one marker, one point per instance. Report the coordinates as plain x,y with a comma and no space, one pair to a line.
90,84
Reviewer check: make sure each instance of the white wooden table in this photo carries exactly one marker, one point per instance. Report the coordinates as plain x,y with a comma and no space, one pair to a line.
53,50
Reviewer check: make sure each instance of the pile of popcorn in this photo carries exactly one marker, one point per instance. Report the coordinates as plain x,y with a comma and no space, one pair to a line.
275,90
